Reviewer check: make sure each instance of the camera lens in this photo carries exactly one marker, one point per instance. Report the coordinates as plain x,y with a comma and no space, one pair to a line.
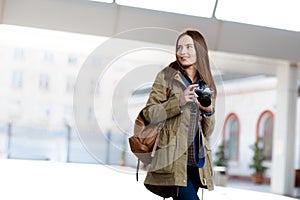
204,101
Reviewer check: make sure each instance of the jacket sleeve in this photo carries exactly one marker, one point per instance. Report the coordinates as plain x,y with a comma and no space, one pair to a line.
162,103
208,124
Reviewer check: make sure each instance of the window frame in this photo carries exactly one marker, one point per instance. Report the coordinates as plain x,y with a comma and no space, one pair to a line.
261,124
226,137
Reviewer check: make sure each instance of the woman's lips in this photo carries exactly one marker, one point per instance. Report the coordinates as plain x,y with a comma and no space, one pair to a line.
184,58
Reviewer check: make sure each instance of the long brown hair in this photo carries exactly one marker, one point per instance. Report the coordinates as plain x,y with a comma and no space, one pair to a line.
202,64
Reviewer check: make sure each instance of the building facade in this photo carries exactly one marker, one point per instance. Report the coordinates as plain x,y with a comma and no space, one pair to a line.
37,119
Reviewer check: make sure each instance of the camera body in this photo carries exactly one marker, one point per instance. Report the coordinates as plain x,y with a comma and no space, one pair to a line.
204,94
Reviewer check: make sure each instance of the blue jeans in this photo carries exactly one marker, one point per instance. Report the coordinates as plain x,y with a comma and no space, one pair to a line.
193,184
180,193
187,193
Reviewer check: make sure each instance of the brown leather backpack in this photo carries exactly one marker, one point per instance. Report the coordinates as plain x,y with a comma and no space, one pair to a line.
145,139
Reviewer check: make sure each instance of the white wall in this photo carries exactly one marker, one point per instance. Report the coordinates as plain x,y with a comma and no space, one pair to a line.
248,99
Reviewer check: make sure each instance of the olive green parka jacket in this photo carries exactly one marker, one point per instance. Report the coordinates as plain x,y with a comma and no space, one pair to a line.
169,165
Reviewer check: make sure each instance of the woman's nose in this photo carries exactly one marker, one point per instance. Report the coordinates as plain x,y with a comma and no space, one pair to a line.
183,51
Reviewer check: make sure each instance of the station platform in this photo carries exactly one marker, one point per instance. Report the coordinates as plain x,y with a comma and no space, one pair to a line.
47,180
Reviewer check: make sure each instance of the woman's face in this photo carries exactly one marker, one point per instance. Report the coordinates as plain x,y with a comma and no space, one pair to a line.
186,52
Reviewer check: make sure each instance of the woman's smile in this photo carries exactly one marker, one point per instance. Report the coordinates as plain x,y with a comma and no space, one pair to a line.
186,53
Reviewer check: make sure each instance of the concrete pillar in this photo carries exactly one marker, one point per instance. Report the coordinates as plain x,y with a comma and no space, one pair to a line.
1,10
283,157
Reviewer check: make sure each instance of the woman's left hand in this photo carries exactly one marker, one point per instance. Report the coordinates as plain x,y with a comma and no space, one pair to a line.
205,109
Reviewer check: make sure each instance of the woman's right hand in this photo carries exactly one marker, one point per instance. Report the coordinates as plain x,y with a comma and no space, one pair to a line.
188,95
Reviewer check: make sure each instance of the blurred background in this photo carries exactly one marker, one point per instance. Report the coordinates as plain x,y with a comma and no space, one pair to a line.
254,51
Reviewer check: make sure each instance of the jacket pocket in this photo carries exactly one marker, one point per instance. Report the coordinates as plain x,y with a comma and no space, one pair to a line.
163,160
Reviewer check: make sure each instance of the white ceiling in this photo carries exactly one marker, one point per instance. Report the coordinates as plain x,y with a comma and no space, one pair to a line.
87,17
235,48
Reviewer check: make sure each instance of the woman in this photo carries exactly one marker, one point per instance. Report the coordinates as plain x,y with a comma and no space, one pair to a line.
182,163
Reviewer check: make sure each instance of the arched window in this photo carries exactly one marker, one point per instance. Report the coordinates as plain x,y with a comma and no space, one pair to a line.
265,131
231,136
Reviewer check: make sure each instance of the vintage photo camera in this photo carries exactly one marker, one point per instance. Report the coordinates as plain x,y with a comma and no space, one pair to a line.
204,94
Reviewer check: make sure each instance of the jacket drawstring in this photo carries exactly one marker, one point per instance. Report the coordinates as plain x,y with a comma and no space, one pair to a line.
137,170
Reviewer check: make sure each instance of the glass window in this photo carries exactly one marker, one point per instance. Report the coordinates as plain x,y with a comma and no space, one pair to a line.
44,82
91,114
45,112
72,60
17,79
231,136
15,109
70,84
68,114
283,14
19,54
262,13
265,128
202,8
48,57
